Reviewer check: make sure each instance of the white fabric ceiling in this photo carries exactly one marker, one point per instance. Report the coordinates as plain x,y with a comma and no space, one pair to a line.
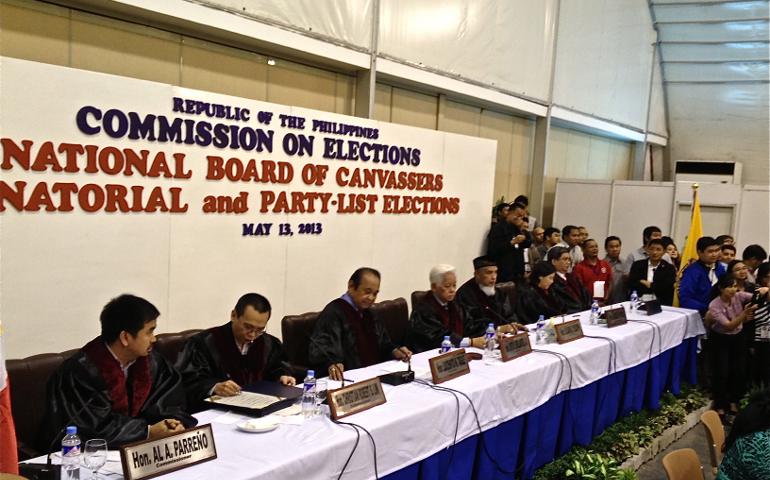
715,66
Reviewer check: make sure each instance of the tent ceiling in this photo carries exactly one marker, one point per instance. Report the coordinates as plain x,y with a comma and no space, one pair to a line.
713,41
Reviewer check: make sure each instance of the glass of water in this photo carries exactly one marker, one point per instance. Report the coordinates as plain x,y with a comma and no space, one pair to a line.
321,386
95,455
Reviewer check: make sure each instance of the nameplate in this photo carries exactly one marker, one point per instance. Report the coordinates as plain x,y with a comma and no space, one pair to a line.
355,398
515,346
568,331
616,317
151,458
653,307
449,365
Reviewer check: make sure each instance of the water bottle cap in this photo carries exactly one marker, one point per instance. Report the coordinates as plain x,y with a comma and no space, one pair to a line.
311,373
446,337
491,325
541,317
72,430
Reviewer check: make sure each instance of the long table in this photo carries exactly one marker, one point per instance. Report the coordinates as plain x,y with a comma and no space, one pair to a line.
530,410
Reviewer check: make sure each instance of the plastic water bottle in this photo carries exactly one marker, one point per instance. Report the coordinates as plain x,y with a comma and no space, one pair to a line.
540,330
70,454
634,301
595,312
489,343
446,344
308,395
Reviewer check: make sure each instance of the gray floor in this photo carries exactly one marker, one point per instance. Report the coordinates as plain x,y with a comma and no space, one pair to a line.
695,439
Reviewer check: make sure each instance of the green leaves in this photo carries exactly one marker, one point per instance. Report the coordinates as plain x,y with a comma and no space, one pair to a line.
622,440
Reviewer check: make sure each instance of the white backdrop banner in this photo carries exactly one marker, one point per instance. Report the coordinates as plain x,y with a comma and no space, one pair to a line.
189,198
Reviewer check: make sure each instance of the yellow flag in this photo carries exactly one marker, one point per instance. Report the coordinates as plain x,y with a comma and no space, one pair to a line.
690,252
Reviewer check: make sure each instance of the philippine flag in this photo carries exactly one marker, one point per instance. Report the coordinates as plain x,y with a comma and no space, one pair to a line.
9,460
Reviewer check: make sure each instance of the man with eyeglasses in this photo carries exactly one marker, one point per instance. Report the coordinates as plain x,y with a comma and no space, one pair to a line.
221,360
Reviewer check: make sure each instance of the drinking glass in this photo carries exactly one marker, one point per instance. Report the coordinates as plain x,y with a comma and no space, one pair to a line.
321,386
95,455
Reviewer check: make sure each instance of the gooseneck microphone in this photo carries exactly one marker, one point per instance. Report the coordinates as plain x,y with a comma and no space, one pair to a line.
48,471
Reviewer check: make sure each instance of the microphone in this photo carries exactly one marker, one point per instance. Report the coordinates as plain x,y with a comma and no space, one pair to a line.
500,317
47,471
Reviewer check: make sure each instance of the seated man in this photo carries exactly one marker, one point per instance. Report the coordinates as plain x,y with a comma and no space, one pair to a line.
566,288
347,334
437,314
116,387
483,304
223,359
653,275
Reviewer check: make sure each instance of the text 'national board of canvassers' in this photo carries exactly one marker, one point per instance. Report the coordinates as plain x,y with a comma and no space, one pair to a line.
91,197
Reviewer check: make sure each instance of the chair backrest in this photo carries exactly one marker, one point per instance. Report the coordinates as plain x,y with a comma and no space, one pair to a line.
509,288
170,344
418,296
394,315
28,378
683,464
296,331
715,436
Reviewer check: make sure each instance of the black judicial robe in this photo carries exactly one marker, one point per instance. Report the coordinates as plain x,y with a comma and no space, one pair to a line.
480,310
531,302
212,356
344,335
430,322
571,293
79,394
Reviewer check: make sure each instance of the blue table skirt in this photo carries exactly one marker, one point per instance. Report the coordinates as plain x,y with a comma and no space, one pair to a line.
518,447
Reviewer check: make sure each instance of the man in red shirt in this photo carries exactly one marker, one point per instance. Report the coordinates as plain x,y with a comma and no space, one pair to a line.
592,271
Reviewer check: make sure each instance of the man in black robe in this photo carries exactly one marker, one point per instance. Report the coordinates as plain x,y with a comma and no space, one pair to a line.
116,387
482,303
566,288
347,335
506,244
437,315
221,360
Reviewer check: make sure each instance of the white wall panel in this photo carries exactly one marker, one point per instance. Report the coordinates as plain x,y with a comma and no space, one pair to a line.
722,122
504,44
346,20
657,120
754,221
603,59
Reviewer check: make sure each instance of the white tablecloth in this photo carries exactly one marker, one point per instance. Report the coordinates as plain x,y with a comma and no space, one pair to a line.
417,421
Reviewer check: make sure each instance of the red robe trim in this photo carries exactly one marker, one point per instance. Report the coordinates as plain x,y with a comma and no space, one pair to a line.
109,368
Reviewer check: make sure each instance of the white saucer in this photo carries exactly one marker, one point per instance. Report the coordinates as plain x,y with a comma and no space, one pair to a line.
257,425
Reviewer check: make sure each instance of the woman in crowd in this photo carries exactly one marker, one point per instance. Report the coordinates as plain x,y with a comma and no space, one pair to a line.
741,273
747,449
728,348
672,251
535,299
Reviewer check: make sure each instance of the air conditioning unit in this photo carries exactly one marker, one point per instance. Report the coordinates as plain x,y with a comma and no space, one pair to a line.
708,171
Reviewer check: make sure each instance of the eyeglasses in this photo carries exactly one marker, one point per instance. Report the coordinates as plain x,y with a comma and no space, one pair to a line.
252,329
